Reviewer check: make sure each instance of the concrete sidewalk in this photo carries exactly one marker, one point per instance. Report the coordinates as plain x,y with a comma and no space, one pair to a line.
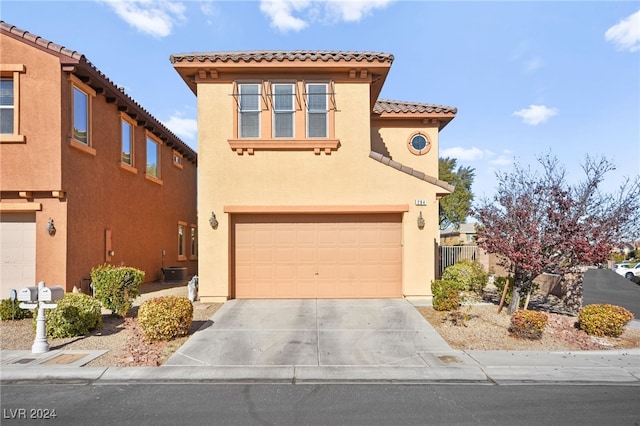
328,341
477,367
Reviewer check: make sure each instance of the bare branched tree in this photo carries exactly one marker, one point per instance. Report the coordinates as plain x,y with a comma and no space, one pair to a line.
538,222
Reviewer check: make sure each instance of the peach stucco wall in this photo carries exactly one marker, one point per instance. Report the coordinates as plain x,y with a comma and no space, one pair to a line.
98,194
346,177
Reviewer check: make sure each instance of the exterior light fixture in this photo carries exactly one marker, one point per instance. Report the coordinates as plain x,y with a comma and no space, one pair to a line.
213,221
420,220
51,228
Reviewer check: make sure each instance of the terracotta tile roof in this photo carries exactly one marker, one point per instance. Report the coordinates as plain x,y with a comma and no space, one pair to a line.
411,107
80,60
281,56
415,173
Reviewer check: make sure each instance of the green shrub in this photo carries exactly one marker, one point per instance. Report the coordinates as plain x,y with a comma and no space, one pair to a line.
116,287
76,315
165,317
446,295
528,324
468,273
10,310
603,319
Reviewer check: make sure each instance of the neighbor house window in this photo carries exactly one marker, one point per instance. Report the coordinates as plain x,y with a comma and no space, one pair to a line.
283,110
7,106
249,110
10,102
126,155
182,241
153,158
177,159
80,116
194,242
317,110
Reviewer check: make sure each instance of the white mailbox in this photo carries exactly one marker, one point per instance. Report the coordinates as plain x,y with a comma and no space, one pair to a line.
28,294
50,294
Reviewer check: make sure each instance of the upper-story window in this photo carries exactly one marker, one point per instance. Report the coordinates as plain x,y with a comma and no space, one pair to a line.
7,107
317,110
80,116
10,102
81,98
153,158
299,115
177,159
126,155
283,110
249,110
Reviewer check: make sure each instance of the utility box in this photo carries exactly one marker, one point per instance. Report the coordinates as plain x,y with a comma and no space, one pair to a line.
175,273
50,294
28,294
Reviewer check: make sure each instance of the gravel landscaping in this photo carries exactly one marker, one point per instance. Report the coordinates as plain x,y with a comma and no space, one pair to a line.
483,329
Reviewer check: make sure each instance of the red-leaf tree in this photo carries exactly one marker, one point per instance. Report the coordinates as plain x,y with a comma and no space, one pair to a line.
539,223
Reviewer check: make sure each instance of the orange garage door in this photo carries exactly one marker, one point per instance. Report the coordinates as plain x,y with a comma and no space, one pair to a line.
317,256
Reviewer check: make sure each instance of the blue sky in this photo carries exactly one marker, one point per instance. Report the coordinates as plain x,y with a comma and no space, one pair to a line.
528,78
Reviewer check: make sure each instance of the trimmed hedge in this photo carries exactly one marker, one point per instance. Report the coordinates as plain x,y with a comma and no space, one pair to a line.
446,295
165,317
11,311
527,324
116,287
76,315
469,274
603,319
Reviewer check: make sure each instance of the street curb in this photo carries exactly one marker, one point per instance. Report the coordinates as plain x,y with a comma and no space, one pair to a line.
492,375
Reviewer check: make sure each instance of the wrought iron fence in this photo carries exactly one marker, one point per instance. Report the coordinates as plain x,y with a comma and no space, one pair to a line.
451,254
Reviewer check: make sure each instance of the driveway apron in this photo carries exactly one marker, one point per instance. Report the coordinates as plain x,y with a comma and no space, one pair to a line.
312,332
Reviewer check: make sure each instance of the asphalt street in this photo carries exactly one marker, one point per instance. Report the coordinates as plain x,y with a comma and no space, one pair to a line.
605,286
320,404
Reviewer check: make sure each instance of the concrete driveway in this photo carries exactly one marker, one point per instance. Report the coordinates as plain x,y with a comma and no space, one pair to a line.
313,332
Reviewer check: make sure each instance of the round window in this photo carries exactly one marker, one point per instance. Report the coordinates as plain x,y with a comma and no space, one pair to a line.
419,144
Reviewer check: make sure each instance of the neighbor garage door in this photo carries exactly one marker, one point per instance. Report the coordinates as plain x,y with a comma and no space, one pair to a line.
17,252
317,256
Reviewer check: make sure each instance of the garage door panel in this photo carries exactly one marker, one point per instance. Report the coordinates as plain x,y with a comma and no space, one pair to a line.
317,256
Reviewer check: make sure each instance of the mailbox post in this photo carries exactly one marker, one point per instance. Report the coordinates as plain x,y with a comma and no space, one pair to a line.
40,297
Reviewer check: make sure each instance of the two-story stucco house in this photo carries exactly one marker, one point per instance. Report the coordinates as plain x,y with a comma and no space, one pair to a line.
87,176
308,185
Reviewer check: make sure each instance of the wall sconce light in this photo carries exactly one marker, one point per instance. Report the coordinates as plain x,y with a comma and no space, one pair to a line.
420,220
213,221
51,228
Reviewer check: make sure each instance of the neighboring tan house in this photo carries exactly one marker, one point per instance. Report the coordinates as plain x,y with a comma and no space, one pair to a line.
87,175
454,235
309,186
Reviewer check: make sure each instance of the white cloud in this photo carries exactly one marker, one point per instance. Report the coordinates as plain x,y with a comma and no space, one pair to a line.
536,114
185,128
504,159
463,154
477,154
153,17
354,10
626,33
281,12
